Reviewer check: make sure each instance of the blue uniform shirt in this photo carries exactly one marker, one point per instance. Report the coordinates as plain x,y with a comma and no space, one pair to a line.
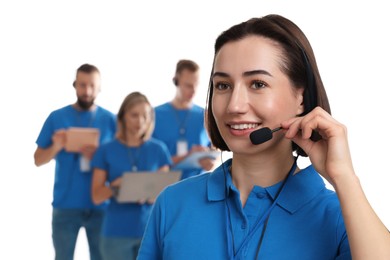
170,120
128,219
190,220
72,187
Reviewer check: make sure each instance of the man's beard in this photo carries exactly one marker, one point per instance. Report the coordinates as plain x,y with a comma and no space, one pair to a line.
85,105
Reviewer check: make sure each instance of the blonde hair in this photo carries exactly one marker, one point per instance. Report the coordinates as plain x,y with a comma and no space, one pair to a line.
129,102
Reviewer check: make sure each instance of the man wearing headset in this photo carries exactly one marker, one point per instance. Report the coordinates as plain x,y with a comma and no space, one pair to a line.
180,122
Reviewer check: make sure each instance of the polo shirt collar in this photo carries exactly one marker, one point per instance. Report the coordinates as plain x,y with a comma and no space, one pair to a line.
217,188
299,189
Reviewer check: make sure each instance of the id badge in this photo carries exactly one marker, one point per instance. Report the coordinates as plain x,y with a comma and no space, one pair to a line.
181,147
85,164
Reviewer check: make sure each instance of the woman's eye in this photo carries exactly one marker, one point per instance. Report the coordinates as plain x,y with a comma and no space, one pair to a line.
221,86
258,84
134,116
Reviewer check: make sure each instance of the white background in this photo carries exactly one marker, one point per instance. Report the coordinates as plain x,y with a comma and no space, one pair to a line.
136,45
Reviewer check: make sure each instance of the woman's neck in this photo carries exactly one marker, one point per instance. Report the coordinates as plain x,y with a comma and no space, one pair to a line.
131,141
261,171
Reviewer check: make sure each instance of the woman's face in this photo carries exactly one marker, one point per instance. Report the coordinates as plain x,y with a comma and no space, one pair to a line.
137,119
250,92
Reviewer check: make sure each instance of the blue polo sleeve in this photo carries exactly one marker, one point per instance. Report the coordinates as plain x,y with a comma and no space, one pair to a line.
152,241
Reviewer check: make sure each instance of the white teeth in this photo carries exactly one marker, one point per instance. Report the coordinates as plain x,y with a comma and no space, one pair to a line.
243,126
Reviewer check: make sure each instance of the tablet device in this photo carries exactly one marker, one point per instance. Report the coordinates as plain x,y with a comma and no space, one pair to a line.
143,185
77,137
192,160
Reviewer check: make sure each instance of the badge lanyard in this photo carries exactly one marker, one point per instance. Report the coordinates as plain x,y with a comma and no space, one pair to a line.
133,158
85,165
182,144
229,229
181,122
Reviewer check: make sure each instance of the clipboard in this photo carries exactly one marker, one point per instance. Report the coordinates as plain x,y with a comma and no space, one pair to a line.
143,185
77,137
192,160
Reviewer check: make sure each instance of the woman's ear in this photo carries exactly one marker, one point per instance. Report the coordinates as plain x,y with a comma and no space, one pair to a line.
300,103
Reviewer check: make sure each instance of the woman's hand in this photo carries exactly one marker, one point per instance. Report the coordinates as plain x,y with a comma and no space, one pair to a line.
367,235
330,155
117,182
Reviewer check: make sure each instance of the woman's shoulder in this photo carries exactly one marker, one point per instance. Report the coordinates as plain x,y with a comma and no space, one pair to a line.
186,190
199,187
154,142
312,189
112,144
190,183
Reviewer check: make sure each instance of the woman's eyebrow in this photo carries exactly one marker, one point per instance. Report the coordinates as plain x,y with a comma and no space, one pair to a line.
245,74
255,72
220,74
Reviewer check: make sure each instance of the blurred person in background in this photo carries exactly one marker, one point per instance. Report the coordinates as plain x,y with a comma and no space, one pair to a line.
72,204
180,122
132,150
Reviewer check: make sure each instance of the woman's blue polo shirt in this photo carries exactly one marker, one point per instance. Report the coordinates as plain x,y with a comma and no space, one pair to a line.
191,219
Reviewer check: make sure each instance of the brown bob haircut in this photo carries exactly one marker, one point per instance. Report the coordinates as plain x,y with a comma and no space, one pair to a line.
298,64
129,102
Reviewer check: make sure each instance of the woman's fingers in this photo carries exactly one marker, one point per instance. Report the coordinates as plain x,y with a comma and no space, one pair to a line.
330,156
317,120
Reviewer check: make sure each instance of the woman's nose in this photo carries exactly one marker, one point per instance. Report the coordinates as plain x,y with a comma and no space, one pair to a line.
238,102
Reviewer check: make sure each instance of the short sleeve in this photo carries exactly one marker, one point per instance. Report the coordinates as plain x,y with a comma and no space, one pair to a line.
44,137
152,241
98,159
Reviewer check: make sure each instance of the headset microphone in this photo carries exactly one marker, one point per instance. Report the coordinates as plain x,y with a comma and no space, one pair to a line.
262,135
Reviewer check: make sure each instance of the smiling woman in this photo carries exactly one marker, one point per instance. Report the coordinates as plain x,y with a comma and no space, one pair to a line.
136,46
259,80
264,75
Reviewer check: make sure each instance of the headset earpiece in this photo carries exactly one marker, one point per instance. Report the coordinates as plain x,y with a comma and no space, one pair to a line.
175,81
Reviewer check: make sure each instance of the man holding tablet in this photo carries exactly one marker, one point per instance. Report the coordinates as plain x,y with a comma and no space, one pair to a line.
60,139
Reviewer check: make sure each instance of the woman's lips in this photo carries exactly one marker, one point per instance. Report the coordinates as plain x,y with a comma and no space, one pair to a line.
242,129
